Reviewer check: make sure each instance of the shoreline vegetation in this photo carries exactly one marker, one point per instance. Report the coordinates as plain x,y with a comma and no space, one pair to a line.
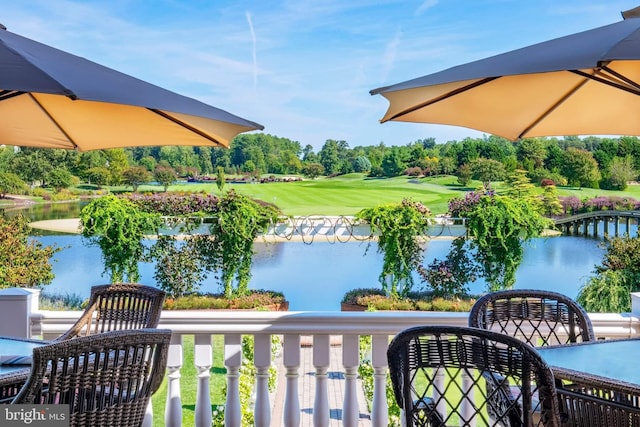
337,196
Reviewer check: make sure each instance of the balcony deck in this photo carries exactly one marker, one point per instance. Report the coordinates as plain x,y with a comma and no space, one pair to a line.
318,382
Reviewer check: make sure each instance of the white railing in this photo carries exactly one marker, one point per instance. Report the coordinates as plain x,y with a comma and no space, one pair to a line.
381,326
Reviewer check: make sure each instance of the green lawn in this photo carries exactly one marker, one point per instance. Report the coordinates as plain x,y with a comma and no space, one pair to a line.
343,195
189,384
348,194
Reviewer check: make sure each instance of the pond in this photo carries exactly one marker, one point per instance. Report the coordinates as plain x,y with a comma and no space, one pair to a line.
314,277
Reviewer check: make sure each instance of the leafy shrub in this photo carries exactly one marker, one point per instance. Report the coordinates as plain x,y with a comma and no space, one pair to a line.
607,292
255,300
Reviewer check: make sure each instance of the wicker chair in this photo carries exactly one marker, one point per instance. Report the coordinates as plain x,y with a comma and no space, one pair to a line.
439,376
106,379
536,317
118,306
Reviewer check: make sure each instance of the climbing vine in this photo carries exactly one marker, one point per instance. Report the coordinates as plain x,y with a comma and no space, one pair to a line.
230,250
117,226
399,228
498,226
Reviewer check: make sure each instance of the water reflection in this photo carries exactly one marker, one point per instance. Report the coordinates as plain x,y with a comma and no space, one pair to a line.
316,276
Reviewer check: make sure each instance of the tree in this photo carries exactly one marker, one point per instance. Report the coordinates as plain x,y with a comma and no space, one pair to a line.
330,157
531,153
620,172
220,179
10,183
550,202
135,176
361,164
165,176
117,164
313,170
32,166
392,164
487,170
464,175
60,178
99,176
580,168
23,262
519,184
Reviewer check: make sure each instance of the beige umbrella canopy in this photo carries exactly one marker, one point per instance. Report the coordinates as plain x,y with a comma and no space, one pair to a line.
587,83
52,99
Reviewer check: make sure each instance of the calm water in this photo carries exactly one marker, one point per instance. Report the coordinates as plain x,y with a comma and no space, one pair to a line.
316,276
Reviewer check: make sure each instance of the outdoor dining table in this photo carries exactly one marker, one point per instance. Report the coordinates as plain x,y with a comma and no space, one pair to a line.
597,380
15,364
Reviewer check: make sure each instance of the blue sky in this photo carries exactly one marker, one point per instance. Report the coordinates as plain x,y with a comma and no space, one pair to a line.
301,68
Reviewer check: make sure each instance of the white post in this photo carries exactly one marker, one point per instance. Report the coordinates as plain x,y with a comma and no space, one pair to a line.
262,361
350,361
173,408
291,362
233,361
321,355
16,306
380,411
203,359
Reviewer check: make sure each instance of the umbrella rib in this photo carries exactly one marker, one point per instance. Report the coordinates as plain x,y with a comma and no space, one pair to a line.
599,79
624,78
53,120
186,126
442,97
7,94
552,108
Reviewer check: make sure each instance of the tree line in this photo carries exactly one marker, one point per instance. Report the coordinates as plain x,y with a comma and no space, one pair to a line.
596,162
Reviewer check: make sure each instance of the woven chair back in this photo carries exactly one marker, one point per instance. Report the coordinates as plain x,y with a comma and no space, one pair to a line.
118,306
537,317
106,379
455,376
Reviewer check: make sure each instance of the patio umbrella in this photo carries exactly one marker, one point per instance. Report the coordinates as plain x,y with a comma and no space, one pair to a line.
53,99
587,83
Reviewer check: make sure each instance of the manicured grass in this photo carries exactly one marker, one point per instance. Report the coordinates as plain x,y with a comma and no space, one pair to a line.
348,194
343,195
189,383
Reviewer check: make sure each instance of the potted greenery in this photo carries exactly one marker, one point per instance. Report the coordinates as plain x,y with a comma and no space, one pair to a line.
119,224
400,230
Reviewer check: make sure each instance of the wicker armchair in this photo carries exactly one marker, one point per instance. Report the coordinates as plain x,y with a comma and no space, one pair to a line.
440,376
107,379
118,306
536,317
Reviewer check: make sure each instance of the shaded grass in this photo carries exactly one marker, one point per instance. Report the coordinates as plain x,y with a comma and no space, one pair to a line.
189,383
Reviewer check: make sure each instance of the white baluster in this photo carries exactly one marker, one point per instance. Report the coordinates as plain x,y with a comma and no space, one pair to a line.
439,385
173,409
321,364
203,359
380,410
350,361
262,361
232,361
291,361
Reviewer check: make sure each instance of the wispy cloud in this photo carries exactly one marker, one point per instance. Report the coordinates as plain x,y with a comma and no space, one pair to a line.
253,50
426,5
390,52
